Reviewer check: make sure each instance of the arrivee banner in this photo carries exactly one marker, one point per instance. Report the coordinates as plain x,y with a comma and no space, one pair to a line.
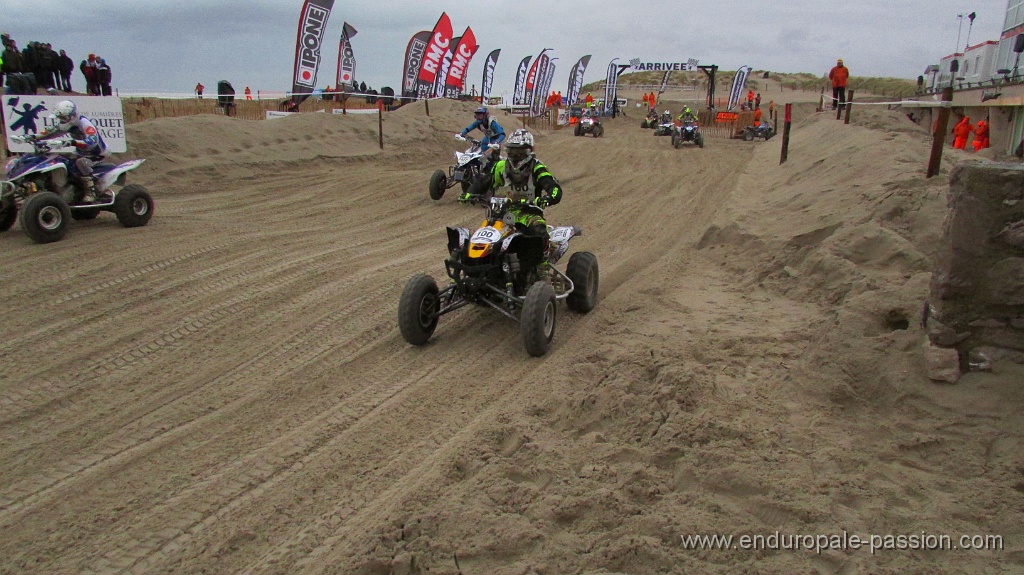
437,46
488,79
24,115
312,23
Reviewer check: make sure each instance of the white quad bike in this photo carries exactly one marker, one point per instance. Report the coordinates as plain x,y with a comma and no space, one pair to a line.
41,187
467,170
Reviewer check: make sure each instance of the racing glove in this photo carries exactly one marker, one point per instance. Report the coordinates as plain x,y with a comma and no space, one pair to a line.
460,137
494,146
542,201
31,138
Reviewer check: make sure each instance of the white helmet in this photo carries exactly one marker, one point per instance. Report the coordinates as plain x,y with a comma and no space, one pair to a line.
520,148
65,112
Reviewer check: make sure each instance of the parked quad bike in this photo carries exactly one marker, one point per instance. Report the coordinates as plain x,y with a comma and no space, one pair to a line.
468,169
43,189
687,132
497,266
590,126
765,130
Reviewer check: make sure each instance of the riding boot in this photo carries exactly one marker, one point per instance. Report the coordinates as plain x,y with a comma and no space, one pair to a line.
89,190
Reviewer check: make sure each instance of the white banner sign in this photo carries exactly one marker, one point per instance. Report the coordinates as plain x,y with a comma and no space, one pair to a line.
24,115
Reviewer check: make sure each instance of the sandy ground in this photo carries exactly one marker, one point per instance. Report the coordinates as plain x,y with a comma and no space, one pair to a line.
226,391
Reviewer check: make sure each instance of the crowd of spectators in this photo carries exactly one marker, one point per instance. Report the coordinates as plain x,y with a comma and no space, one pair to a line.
38,65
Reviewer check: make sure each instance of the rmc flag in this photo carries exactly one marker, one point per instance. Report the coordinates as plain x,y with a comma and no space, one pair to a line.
437,46
346,58
488,79
576,80
312,23
461,56
737,86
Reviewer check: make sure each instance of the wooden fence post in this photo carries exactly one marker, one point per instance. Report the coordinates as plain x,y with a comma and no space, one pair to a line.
380,122
785,134
939,136
849,104
426,105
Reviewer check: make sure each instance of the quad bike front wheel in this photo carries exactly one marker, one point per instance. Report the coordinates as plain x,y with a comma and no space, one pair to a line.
585,276
675,141
417,309
45,217
748,136
133,206
598,131
537,320
438,184
699,138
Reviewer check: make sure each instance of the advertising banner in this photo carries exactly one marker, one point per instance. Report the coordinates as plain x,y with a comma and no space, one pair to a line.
346,58
442,74
610,81
310,37
738,84
24,115
413,58
488,79
538,97
461,55
519,95
576,80
437,46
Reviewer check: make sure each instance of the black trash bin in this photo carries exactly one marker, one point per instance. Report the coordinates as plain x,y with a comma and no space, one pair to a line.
226,97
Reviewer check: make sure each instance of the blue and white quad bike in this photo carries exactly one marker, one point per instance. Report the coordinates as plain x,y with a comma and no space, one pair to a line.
44,187
467,170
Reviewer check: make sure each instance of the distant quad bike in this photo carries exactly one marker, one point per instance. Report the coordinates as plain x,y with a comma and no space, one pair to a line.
498,267
650,121
589,125
687,132
468,169
42,188
765,130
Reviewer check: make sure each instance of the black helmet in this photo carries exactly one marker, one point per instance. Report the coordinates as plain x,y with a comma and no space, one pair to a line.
480,110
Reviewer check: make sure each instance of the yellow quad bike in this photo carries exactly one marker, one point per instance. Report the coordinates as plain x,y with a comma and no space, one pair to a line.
498,266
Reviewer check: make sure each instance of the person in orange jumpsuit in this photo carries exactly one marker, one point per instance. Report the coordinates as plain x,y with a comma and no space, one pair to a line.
248,93
839,75
646,100
980,136
961,132
757,116
651,99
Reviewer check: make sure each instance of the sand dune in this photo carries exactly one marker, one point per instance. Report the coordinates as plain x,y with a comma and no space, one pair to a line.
226,391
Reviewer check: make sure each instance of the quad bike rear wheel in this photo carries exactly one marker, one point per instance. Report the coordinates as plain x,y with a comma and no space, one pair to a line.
8,213
538,318
438,184
417,309
45,217
748,136
133,206
699,138
676,140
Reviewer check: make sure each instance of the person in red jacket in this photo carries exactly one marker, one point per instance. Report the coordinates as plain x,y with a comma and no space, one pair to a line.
839,75
961,132
980,136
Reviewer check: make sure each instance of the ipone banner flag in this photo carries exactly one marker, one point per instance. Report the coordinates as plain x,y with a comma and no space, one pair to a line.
312,23
413,58
461,56
488,79
437,46
738,84
519,95
576,80
346,58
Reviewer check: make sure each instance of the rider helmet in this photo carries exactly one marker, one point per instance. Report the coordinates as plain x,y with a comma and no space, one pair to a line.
480,113
687,110
65,112
520,152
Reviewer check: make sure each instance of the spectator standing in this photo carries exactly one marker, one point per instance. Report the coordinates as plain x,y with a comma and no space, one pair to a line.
839,75
103,77
88,68
13,63
589,100
961,132
757,100
248,93
750,99
651,99
646,101
980,136
67,67
757,116
51,64
199,90
771,109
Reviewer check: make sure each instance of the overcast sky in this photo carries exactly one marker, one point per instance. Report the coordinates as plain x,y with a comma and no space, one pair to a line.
167,46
